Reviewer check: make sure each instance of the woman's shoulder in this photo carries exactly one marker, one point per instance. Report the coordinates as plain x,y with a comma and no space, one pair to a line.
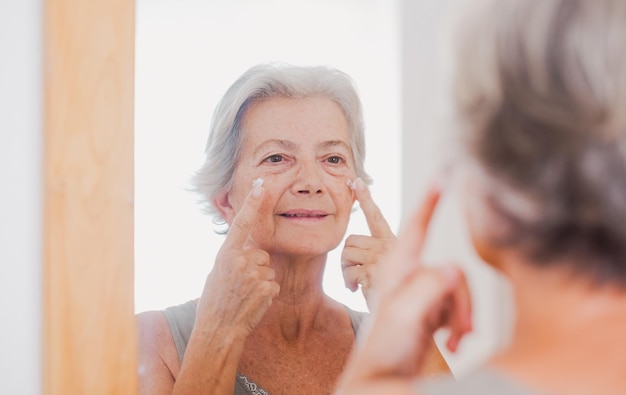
152,327
156,345
180,320
169,329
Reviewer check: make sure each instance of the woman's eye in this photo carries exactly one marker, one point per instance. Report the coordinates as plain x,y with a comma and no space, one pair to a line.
335,160
274,158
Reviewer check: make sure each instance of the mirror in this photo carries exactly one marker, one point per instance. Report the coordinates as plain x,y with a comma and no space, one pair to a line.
187,53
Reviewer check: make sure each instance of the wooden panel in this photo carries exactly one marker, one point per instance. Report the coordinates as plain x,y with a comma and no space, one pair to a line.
89,330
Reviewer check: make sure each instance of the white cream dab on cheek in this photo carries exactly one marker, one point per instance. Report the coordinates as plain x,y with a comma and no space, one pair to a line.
258,182
350,184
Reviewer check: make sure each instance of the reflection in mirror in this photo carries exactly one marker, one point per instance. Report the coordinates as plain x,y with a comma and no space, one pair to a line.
188,53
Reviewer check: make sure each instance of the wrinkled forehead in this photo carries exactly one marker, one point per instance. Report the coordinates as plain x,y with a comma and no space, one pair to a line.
310,120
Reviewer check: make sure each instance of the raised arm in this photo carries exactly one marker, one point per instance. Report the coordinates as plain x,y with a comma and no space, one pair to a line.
236,295
361,256
411,302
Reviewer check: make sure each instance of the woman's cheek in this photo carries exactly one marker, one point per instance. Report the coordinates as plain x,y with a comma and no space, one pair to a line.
344,198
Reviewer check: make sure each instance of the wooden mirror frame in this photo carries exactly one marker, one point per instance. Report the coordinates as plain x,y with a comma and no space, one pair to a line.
89,344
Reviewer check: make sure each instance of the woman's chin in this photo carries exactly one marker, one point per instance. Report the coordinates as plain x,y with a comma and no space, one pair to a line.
302,250
299,243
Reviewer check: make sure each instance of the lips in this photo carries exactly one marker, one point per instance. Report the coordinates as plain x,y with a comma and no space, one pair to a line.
304,214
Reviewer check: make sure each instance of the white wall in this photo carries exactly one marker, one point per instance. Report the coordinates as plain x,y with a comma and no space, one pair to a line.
188,53
20,208
426,72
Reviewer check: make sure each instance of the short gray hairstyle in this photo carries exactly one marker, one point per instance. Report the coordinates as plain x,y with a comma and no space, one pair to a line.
262,82
540,93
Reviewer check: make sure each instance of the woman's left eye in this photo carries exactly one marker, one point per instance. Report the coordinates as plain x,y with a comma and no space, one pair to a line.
335,160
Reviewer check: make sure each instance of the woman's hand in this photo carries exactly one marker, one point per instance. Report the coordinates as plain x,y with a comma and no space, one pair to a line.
241,286
412,302
361,254
236,295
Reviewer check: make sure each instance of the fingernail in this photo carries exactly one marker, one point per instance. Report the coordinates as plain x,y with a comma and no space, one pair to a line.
358,184
350,184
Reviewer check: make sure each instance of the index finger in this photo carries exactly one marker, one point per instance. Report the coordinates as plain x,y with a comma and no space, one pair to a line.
240,228
376,222
407,253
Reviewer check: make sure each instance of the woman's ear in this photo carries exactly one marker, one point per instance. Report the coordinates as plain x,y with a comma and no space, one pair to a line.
221,202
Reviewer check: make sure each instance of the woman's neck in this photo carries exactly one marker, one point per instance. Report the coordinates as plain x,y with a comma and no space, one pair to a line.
295,311
567,333
300,278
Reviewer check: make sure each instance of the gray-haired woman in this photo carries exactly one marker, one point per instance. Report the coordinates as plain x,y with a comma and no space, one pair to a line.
541,98
284,166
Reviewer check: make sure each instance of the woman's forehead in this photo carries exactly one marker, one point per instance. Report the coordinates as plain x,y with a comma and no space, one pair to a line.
283,121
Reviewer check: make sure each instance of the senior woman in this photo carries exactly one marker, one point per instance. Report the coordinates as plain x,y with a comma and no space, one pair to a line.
284,166
541,97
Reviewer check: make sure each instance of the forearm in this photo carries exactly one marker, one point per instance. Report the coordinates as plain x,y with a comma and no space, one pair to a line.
210,362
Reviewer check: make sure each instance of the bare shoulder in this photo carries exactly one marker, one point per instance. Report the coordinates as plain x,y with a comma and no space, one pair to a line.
158,362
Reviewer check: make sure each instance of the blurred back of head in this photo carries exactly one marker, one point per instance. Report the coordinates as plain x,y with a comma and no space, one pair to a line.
540,93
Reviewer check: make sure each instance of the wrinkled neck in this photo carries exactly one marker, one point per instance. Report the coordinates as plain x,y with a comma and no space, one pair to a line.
299,308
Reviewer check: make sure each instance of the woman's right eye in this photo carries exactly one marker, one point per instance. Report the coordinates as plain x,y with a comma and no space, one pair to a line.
274,158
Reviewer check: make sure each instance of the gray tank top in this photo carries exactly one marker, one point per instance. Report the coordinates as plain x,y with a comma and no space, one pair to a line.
181,319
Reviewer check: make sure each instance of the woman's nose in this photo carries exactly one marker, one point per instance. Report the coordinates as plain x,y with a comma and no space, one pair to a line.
309,179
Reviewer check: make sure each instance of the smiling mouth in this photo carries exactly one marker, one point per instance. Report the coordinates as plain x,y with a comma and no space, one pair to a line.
303,215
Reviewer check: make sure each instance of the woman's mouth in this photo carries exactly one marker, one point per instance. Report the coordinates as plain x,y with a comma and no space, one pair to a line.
313,214
303,215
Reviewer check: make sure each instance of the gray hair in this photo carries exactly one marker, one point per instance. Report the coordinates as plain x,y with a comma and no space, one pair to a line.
540,93
263,82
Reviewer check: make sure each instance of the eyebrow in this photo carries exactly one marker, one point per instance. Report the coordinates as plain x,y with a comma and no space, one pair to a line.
290,145
286,144
334,143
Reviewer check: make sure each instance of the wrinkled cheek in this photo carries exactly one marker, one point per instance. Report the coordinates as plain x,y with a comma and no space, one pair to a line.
348,202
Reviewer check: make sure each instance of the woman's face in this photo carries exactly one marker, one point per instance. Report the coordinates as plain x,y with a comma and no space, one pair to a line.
300,147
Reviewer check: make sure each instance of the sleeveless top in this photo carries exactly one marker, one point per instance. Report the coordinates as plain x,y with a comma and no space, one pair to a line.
482,381
181,319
